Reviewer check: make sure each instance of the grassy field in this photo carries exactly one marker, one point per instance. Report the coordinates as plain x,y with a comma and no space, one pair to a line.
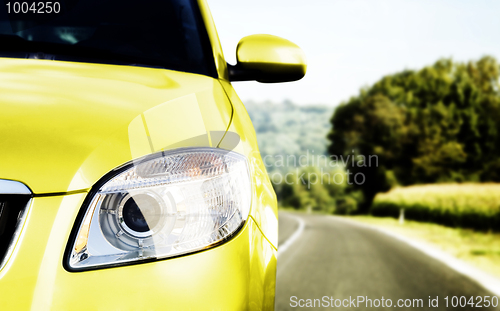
474,206
480,249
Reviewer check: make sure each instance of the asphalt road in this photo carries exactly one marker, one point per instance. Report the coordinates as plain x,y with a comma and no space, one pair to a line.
341,260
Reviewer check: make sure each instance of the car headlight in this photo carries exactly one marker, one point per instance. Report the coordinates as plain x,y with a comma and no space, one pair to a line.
164,205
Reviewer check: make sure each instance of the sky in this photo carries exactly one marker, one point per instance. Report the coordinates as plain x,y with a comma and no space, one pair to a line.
351,44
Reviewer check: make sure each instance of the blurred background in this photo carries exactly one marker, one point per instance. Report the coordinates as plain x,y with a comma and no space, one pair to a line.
396,127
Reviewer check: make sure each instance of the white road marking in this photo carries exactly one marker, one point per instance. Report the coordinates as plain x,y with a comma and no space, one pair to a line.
288,242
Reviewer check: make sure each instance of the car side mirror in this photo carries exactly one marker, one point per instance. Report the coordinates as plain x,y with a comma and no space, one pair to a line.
268,59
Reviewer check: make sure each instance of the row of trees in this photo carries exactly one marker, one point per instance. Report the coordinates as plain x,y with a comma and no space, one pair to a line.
288,129
437,124
317,188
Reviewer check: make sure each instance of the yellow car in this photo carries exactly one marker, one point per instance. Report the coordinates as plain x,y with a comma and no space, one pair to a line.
130,177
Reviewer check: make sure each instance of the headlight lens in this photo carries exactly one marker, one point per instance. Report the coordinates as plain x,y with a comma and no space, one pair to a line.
166,205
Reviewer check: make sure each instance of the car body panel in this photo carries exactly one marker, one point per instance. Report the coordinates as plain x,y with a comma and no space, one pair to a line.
264,208
237,275
34,276
78,121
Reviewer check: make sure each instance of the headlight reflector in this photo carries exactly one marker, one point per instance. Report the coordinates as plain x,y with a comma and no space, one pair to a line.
162,206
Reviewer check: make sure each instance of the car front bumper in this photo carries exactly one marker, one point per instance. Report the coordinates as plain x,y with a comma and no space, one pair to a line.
237,275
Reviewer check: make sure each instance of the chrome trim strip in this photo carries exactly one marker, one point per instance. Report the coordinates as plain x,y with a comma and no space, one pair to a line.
15,237
13,187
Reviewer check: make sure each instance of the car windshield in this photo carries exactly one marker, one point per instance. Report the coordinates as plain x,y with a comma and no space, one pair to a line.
153,33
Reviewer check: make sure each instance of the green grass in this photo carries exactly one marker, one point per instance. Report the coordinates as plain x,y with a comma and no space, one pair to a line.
481,249
474,206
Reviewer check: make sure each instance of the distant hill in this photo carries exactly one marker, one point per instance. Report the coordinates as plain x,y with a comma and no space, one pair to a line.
289,129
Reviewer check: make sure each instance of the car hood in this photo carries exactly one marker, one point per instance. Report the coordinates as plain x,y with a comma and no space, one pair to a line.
64,125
